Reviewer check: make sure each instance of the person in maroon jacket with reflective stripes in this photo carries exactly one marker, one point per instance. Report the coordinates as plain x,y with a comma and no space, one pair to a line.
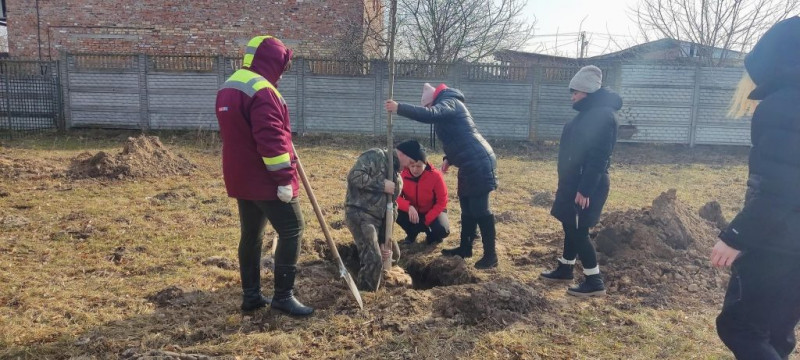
422,206
259,168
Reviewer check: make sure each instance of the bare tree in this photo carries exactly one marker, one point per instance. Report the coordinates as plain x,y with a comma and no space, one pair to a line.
364,36
454,30
713,25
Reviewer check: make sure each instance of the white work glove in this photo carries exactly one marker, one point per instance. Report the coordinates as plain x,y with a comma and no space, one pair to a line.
285,193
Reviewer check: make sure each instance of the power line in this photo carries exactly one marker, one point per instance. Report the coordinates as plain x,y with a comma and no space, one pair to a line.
555,35
565,44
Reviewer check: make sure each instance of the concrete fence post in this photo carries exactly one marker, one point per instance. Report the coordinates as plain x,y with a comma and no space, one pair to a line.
695,107
299,65
535,77
65,97
144,107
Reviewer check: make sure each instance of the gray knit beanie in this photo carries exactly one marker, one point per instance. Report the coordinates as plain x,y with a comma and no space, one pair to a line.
588,79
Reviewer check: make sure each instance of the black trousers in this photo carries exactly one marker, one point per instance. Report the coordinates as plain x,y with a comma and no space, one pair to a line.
286,219
439,229
762,306
473,208
577,243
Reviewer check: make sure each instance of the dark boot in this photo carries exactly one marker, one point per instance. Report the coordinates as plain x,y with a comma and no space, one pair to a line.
591,286
464,250
433,239
410,239
284,299
489,259
252,299
564,272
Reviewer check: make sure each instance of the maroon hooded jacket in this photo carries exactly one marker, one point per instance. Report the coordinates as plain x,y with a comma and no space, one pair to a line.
254,125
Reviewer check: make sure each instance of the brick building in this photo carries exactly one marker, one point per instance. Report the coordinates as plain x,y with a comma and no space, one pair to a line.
313,28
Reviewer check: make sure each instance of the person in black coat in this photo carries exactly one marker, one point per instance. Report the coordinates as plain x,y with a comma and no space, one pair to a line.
762,243
465,148
584,156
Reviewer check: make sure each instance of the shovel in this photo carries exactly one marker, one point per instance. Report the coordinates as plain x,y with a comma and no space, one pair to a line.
342,270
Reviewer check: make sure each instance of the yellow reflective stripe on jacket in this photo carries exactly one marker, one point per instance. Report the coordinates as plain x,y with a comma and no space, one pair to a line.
278,162
250,51
249,83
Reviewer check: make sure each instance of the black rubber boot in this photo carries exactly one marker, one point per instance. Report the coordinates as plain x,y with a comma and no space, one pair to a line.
564,272
464,249
591,286
252,299
284,299
488,233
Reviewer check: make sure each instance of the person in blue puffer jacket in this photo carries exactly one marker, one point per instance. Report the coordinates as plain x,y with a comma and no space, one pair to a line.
465,148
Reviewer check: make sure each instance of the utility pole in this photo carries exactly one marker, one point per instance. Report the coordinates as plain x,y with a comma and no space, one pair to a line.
583,44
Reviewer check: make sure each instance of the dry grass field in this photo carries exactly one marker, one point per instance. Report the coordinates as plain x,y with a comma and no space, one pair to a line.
145,266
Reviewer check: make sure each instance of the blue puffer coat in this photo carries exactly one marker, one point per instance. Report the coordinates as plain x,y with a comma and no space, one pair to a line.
463,145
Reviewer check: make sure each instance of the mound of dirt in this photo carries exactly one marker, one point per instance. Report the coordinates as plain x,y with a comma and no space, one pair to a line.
440,271
508,217
166,296
13,168
496,303
712,212
660,253
318,285
543,199
220,262
144,156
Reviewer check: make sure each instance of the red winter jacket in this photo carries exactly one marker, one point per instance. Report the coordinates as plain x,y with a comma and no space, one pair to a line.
254,124
426,193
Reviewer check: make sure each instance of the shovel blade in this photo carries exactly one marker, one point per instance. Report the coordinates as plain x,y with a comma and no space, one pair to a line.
352,285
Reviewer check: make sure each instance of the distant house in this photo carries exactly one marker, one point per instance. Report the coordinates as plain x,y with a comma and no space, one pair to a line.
670,50
521,58
667,50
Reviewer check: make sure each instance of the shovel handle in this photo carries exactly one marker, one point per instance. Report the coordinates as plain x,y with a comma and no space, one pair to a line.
322,223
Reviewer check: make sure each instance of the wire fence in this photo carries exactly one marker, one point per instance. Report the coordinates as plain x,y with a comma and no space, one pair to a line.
30,97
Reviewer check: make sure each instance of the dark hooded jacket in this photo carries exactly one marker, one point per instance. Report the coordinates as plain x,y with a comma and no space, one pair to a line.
584,156
463,145
254,125
770,219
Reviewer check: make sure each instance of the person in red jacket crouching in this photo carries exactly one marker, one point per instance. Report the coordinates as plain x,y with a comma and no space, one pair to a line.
422,206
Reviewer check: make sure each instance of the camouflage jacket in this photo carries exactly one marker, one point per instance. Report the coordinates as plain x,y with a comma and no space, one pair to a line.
365,184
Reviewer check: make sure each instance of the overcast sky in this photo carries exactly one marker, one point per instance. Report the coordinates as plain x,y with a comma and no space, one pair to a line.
603,17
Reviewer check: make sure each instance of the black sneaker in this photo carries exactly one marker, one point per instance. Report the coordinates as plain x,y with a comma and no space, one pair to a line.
591,286
563,273
432,240
409,240
459,251
488,261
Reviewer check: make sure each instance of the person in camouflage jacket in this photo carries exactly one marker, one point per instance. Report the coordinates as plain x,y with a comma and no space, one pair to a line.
365,209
